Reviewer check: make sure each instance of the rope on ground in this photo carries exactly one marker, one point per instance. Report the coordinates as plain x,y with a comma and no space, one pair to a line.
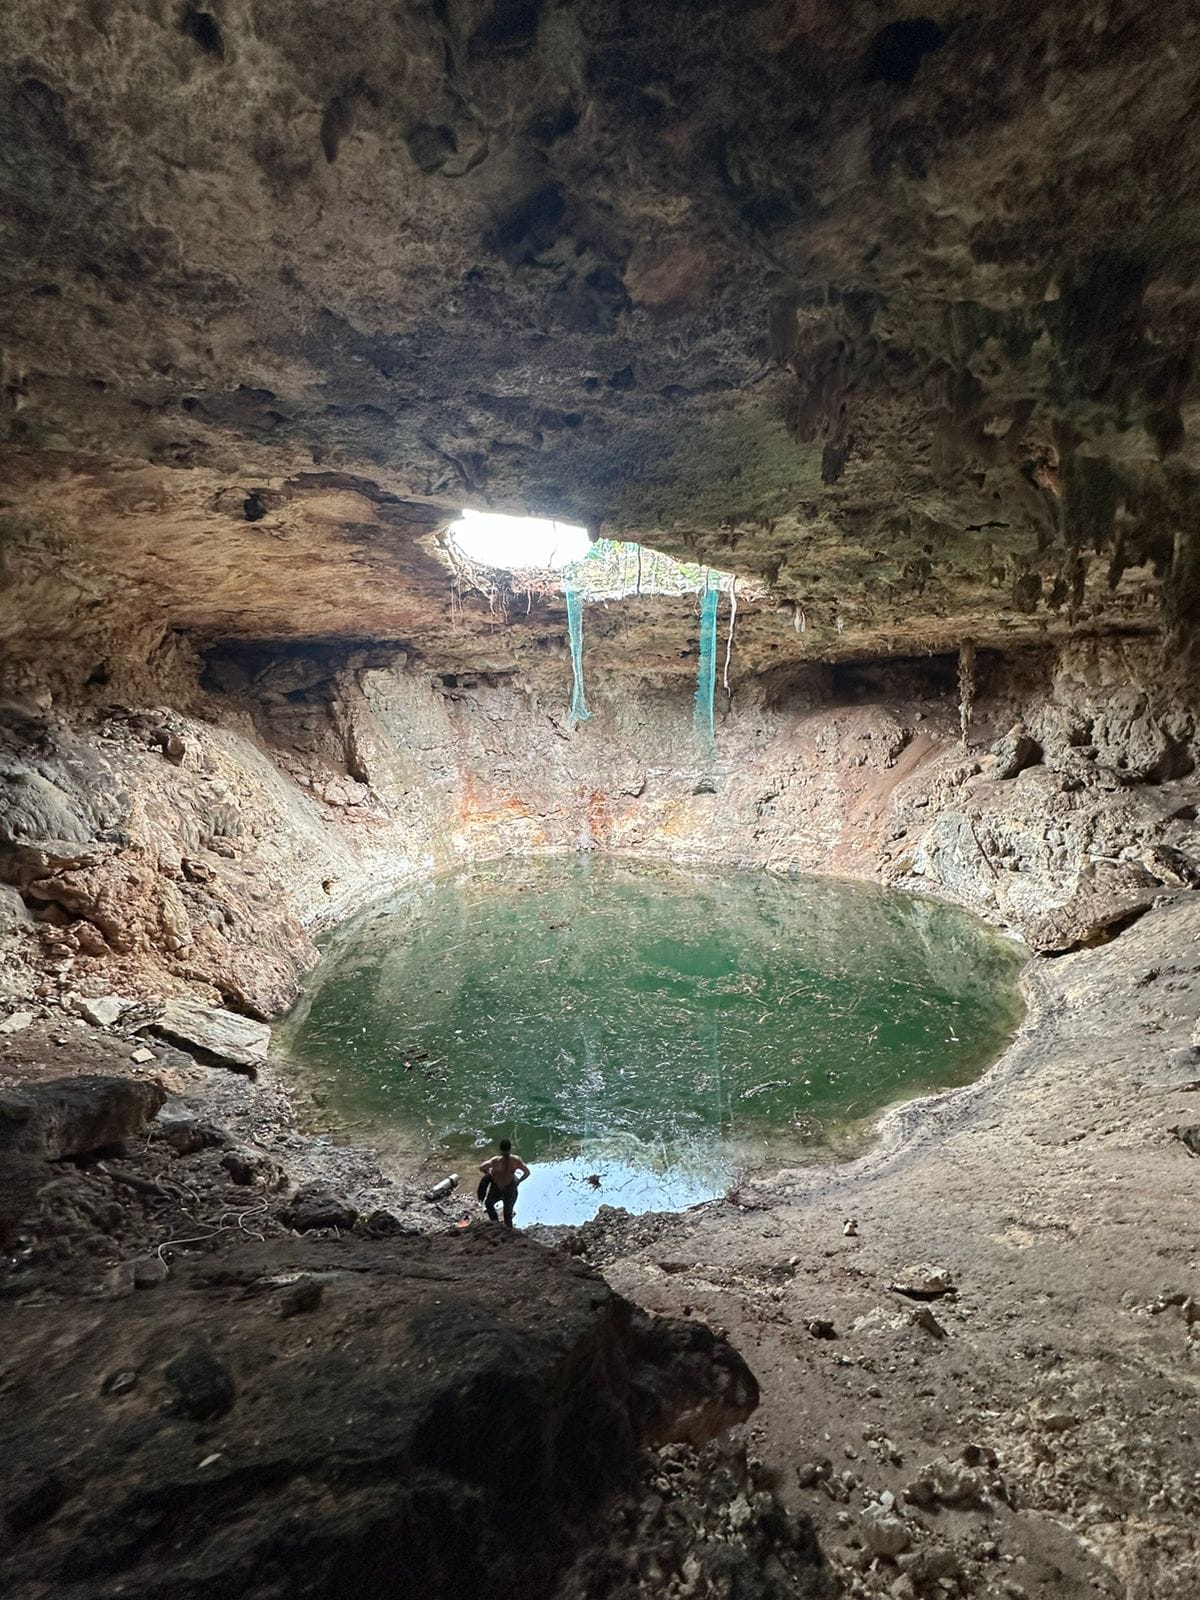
238,1224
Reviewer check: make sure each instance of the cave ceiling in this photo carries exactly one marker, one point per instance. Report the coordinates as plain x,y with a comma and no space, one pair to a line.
891,312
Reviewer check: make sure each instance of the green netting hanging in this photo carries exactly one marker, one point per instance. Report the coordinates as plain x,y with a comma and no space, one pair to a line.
579,710
706,681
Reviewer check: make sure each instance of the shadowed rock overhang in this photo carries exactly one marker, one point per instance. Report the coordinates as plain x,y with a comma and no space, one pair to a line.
892,313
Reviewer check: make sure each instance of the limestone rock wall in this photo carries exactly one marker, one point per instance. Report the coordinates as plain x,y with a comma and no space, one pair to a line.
168,852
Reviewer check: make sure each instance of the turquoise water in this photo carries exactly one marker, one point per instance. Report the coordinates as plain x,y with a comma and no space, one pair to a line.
645,1034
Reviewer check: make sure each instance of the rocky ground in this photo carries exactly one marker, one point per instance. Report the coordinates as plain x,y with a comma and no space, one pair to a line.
216,1373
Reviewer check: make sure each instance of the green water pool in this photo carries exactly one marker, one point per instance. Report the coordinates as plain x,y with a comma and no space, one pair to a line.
645,1034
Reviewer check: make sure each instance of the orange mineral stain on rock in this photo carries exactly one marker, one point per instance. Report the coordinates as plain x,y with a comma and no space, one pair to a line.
482,808
599,816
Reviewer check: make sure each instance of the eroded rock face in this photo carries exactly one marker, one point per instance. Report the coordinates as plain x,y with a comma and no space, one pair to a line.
445,1416
816,292
310,786
110,847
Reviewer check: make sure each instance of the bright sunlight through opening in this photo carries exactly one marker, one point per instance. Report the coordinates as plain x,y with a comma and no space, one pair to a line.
518,544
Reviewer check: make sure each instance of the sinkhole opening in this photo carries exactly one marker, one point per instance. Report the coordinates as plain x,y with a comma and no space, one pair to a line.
647,1035
518,544
504,557
484,544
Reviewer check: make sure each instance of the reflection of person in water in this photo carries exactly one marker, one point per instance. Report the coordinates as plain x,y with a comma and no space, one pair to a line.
500,1182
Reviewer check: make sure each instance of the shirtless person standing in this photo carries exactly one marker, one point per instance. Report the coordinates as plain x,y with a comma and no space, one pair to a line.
502,1170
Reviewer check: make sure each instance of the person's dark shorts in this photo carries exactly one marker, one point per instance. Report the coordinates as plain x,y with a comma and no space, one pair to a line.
496,1196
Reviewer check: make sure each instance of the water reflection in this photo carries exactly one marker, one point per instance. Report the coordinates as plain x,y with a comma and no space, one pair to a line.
656,1028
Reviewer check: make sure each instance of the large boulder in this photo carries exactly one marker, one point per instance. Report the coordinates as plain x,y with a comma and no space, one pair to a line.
73,1117
678,1358
220,1038
1105,902
449,1418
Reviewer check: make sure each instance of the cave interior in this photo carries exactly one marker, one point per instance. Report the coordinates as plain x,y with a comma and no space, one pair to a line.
839,362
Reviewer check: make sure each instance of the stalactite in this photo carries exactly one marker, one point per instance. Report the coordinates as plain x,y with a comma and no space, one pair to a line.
966,686
706,681
579,711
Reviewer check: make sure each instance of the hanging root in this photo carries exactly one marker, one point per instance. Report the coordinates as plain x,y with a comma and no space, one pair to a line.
966,686
729,640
